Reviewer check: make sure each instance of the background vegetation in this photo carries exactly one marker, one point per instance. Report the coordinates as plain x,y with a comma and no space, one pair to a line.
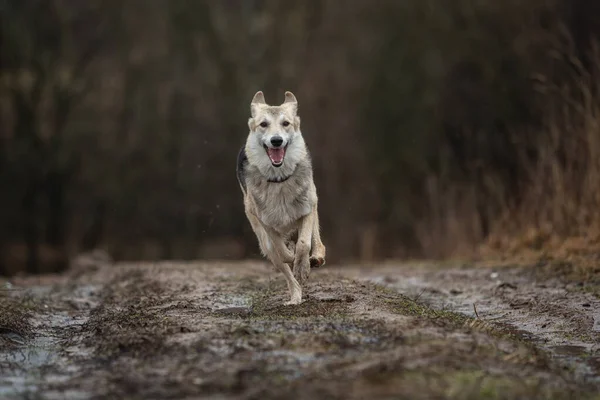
438,128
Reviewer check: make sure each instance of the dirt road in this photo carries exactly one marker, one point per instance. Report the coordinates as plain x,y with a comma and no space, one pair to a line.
219,331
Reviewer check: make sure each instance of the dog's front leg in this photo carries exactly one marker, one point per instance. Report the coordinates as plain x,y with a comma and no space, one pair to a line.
270,244
286,252
301,262
269,241
275,255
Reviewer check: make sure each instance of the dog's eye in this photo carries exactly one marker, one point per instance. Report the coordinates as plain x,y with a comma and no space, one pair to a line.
286,123
264,124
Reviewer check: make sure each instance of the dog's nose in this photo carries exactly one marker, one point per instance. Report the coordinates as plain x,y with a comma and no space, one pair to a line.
276,141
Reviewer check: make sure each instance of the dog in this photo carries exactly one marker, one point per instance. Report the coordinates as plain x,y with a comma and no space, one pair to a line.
274,171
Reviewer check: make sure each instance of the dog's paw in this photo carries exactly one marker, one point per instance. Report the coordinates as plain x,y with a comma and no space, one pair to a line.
295,297
292,302
317,262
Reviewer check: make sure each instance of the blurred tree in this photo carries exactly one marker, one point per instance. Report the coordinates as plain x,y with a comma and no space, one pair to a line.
120,121
43,73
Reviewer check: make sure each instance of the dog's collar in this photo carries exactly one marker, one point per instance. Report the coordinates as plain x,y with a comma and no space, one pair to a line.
279,180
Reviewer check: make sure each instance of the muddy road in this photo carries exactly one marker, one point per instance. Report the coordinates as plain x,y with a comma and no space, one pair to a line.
220,331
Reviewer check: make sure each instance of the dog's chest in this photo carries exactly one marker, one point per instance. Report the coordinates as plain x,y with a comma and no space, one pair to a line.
281,205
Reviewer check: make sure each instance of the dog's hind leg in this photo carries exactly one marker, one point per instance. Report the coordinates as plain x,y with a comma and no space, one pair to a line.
317,256
301,261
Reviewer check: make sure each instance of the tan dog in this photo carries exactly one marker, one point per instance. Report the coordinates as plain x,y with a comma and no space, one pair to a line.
274,171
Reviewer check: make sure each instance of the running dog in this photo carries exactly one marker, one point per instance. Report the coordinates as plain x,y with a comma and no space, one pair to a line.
274,171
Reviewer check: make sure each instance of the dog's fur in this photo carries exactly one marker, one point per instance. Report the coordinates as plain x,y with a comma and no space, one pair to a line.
280,200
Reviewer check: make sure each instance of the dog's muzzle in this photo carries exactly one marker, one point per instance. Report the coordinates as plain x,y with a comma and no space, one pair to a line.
276,150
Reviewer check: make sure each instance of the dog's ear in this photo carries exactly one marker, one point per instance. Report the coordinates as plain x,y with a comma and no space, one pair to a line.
291,102
257,101
259,98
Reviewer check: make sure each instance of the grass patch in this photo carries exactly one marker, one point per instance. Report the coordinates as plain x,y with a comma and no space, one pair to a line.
14,318
400,304
310,308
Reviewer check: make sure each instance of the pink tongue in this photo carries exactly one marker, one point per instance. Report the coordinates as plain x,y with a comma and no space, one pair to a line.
276,155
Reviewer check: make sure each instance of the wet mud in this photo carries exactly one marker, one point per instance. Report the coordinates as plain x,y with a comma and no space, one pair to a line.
221,331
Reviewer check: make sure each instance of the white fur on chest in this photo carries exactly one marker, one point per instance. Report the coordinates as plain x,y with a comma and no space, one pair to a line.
282,205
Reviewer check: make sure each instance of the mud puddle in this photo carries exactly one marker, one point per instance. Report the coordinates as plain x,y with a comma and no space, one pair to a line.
19,362
29,364
40,356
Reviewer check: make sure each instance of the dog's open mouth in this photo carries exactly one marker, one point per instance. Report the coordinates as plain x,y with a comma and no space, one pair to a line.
276,155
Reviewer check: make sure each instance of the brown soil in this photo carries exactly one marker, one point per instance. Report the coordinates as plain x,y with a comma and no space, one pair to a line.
219,330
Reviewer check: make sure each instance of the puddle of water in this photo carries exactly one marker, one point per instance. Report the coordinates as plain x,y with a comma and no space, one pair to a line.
20,365
231,303
569,350
27,363
35,354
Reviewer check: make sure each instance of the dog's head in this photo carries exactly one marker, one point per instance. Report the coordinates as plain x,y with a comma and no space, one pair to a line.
275,143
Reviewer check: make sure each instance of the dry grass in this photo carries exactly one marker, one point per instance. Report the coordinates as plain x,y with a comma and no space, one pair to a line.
557,216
